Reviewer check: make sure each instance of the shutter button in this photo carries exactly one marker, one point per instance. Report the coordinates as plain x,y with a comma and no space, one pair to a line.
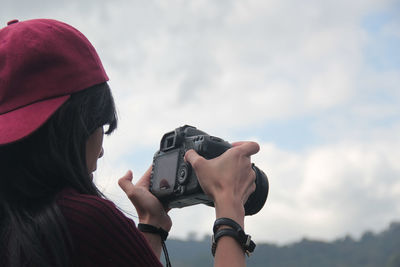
12,22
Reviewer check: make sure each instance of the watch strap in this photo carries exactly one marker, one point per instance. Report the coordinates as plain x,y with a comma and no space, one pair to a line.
236,232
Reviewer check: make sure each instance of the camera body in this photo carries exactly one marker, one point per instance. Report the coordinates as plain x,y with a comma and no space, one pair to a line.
174,182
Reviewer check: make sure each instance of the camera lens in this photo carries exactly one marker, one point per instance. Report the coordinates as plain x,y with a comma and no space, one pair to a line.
257,199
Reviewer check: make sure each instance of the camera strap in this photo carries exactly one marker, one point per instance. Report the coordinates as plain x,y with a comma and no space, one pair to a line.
147,228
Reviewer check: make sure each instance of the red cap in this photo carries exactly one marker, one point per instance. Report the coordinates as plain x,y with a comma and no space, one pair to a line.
42,62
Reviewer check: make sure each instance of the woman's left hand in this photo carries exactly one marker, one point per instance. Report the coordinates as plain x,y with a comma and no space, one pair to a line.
148,207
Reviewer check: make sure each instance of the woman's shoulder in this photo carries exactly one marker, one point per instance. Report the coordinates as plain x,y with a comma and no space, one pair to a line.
88,209
102,233
71,198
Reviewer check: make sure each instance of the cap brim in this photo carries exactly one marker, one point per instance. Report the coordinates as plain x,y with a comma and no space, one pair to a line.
20,123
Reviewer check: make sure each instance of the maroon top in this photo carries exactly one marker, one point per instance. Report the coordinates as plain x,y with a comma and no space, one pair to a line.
102,235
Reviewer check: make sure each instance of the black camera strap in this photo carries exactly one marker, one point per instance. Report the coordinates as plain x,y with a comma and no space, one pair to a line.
147,228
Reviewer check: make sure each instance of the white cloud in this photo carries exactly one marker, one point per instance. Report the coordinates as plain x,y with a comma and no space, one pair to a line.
224,66
329,191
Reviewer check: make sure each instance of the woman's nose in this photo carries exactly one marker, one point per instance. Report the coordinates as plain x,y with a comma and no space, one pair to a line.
101,152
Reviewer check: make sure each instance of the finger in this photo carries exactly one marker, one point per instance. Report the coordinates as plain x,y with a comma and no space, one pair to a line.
237,143
247,148
250,191
125,182
132,191
194,159
148,172
145,179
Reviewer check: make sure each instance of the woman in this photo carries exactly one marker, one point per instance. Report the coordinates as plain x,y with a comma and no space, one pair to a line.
55,106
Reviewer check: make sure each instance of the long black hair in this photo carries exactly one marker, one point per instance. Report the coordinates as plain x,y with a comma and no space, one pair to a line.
32,171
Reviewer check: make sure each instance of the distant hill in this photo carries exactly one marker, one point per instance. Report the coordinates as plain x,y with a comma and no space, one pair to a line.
372,250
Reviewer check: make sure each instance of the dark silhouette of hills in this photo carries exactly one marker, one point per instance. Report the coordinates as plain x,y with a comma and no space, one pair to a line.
371,250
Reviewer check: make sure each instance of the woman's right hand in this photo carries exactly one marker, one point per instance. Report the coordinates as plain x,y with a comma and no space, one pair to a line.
228,179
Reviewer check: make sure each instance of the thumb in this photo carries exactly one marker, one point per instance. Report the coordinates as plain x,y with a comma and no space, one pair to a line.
125,182
194,159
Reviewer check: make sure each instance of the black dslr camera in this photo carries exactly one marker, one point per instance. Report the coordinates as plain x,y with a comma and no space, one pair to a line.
174,182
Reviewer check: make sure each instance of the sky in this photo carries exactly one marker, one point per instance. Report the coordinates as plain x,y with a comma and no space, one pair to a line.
315,83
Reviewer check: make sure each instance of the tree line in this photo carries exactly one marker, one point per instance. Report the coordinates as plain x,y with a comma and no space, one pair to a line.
371,250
